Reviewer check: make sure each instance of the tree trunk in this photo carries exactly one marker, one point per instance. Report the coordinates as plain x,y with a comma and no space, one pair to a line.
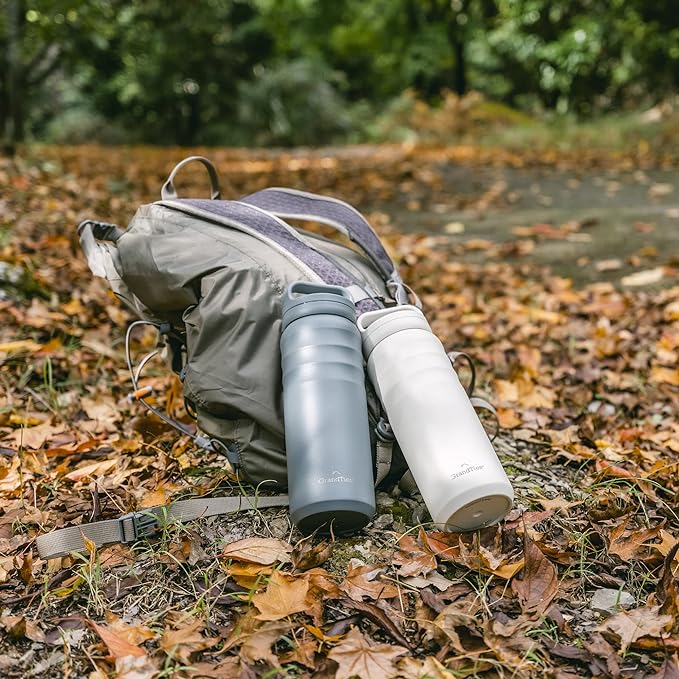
457,34
13,124
460,67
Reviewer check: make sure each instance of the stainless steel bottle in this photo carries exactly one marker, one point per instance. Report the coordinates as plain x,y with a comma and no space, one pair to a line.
327,439
449,454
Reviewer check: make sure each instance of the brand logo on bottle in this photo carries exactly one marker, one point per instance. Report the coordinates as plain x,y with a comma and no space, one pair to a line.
467,469
335,477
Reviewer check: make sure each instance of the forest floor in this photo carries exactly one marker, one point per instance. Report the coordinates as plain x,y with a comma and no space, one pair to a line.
559,273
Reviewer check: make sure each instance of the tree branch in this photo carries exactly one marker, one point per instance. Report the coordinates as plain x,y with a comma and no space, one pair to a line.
48,66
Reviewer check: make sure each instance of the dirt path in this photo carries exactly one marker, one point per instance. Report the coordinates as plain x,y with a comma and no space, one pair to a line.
589,226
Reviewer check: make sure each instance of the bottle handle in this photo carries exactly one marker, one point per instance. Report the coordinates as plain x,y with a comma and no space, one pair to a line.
452,357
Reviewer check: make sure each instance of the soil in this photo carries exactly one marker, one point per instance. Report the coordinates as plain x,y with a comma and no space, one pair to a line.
622,213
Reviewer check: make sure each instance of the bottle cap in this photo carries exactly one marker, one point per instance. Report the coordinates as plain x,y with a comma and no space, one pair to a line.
307,299
376,326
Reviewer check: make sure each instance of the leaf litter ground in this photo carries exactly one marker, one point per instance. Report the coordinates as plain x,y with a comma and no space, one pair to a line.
579,580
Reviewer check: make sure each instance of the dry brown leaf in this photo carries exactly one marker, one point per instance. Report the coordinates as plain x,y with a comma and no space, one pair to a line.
19,627
118,646
229,668
626,544
413,559
539,584
668,670
306,555
257,645
91,469
430,668
364,581
136,667
284,596
263,551
180,643
356,657
249,575
639,622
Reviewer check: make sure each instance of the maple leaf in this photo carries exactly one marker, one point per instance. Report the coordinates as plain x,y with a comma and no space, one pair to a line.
284,596
636,623
539,584
356,657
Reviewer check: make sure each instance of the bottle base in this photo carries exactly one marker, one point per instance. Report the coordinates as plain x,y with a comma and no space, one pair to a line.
479,513
333,516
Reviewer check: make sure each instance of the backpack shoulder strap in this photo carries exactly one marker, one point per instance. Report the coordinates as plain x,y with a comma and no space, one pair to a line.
294,204
270,229
134,526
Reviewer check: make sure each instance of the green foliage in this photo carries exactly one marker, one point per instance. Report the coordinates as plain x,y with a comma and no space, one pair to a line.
311,71
293,103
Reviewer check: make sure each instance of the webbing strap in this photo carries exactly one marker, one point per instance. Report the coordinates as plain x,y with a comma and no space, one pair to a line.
267,227
136,525
293,204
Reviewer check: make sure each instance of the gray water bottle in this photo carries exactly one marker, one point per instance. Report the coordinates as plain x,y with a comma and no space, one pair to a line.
327,439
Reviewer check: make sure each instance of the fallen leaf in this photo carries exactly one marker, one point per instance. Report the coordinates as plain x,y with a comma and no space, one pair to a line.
356,657
668,670
306,555
136,667
638,622
185,639
284,596
19,346
118,646
91,470
364,581
257,645
413,559
647,277
264,551
625,544
539,584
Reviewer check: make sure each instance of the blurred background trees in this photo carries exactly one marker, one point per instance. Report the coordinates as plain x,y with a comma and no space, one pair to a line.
284,72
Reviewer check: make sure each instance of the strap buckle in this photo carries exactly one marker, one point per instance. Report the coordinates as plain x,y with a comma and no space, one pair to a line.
384,432
136,525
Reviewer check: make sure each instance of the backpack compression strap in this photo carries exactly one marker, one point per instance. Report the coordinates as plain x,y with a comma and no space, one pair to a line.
293,204
267,227
132,527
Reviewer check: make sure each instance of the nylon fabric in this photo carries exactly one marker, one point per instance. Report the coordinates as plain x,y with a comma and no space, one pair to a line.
67,540
292,204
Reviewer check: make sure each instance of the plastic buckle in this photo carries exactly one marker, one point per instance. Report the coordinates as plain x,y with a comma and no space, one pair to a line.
384,431
136,525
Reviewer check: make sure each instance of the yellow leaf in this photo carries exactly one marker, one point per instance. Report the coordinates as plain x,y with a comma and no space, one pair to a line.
284,596
19,346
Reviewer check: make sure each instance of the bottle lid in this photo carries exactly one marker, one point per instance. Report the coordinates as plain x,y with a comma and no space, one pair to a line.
307,299
376,326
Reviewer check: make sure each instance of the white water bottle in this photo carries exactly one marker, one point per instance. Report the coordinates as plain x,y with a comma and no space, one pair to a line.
444,443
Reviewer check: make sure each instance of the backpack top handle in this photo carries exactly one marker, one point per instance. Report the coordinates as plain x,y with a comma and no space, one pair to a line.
168,191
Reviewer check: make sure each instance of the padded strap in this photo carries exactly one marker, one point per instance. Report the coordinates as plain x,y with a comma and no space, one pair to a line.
168,191
293,204
136,525
268,228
